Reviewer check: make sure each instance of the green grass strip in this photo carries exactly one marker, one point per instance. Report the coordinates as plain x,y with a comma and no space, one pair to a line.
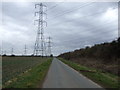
106,80
33,78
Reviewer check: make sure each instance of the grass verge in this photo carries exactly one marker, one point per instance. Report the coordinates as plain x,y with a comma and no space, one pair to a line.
32,78
106,80
14,66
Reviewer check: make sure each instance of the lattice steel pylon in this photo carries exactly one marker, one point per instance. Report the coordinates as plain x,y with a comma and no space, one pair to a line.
49,46
25,50
40,43
12,51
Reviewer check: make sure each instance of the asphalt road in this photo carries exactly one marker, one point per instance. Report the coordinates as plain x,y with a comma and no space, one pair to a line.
61,75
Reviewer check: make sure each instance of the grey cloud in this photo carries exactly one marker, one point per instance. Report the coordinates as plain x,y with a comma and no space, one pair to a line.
83,26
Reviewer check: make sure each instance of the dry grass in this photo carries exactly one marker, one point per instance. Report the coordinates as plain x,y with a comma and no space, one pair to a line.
106,80
99,64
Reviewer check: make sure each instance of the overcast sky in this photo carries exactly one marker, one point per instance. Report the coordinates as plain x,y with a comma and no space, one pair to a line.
71,25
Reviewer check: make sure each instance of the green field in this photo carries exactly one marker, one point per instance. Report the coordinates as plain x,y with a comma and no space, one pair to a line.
15,66
106,80
33,78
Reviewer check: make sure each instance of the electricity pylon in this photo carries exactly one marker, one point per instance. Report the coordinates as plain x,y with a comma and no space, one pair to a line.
25,50
12,51
39,43
49,46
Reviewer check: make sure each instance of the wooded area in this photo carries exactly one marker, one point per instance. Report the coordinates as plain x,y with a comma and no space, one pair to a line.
103,56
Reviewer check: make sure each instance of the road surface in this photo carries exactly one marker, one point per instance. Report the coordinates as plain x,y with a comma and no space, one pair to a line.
61,75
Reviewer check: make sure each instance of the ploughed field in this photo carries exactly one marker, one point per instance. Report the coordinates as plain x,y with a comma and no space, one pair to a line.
14,66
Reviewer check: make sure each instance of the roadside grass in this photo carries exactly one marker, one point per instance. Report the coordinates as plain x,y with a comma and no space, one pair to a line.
106,80
32,78
13,66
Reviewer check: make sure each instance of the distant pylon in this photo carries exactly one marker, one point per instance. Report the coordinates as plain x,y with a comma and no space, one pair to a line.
25,50
2,52
12,51
40,43
5,52
49,46
45,48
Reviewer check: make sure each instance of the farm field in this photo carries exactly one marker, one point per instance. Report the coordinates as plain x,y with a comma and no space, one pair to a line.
14,66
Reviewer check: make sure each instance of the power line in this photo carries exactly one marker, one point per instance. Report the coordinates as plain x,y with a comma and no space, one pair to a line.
54,6
82,17
92,29
92,15
69,11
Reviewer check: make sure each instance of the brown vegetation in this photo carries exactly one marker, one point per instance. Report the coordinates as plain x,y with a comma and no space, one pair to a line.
103,56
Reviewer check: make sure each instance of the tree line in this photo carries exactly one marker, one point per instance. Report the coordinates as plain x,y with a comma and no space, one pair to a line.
105,51
108,53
